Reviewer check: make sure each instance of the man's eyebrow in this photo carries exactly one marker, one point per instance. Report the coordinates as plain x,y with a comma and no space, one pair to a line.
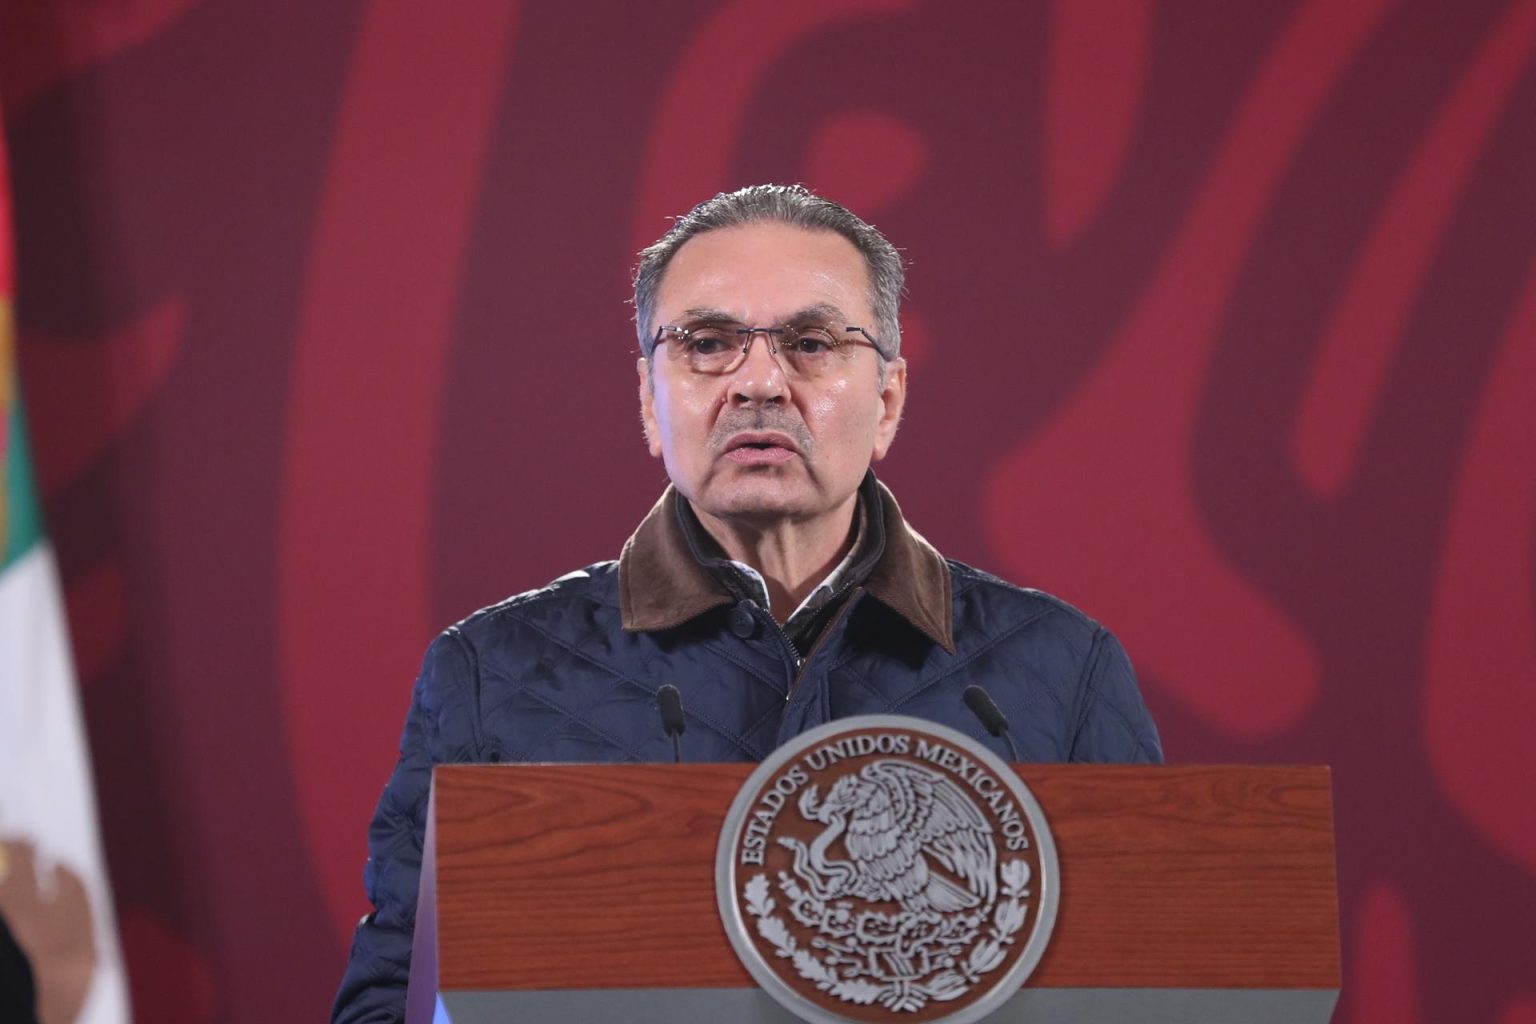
706,315
820,312
815,313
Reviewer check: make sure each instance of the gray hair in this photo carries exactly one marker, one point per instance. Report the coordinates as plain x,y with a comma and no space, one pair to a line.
787,204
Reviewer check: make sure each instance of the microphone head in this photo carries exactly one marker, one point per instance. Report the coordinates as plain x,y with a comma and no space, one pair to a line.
985,708
670,702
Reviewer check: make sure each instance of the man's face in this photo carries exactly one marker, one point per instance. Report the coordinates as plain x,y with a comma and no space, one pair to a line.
754,445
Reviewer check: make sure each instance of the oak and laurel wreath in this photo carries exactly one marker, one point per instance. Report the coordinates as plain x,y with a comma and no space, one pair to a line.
1007,918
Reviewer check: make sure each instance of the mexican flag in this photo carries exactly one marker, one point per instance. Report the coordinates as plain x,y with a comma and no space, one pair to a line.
54,894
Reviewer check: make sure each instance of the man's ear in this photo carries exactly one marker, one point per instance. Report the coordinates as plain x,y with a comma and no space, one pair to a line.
648,407
893,398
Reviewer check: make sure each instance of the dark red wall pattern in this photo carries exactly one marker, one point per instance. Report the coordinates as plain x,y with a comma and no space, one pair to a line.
1222,324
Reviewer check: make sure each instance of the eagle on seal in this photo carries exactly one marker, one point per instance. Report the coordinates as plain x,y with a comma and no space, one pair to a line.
899,822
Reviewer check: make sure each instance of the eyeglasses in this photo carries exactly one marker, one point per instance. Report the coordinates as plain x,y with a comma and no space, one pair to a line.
806,351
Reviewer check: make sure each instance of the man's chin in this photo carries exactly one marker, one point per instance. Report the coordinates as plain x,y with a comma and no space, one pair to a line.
756,501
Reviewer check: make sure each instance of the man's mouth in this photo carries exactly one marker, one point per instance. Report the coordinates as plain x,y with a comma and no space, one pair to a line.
756,448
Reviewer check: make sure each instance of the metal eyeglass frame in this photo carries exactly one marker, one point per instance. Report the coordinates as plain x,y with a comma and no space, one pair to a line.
771,333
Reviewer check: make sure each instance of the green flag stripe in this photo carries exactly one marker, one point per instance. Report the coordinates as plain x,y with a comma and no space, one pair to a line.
23,525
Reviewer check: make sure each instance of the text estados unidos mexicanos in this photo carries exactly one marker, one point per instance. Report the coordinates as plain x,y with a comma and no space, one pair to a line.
986,786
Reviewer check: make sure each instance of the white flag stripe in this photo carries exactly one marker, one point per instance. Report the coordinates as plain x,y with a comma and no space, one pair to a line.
47,797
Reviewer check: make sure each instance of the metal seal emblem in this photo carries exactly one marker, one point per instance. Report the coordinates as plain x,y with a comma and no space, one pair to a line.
887,868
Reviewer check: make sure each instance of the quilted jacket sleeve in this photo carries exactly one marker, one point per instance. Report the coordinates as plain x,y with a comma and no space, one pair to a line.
1113,723
438,728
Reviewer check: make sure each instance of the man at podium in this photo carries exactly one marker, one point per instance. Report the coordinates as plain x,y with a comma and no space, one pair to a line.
775,584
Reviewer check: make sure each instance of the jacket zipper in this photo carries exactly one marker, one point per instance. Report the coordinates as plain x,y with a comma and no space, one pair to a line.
789,645
826,631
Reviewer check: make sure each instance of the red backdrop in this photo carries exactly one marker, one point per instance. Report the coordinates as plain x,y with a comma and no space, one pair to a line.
1222,325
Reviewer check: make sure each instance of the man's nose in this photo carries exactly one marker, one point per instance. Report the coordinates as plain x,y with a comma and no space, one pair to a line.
760,377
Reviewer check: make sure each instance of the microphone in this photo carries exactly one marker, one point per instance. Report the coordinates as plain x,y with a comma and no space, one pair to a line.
670,702
985,708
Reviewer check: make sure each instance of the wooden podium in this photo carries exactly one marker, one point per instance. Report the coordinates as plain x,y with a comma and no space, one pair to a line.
558,893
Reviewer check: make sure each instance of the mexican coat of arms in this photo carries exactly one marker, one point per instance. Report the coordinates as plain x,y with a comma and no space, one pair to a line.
886,868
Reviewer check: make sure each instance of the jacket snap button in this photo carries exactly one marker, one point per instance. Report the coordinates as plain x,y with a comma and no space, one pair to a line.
742,622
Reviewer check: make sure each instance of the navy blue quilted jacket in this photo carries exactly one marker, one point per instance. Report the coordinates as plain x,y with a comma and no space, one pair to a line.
570,672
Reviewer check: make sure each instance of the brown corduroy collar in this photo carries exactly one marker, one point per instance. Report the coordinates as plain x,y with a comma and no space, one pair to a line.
662,584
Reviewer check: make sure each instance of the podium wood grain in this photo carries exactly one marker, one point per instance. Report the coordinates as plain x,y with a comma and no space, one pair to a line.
1172,877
